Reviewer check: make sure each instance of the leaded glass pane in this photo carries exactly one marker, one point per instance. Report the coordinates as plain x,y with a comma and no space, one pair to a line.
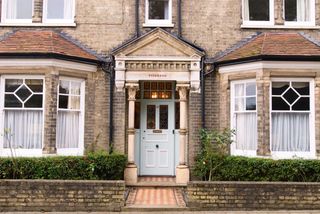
137,115
163,117
177,115
151,117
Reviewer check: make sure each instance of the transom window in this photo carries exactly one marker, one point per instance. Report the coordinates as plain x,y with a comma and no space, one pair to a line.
23,103
17,11
260,11
58,11
291,116
158,12
70,114
158,90
244,117
298,10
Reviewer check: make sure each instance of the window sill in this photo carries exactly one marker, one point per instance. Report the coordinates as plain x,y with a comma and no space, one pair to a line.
38,24
278,27
158,25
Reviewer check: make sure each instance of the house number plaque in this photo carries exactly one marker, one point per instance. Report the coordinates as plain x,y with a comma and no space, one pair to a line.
157,131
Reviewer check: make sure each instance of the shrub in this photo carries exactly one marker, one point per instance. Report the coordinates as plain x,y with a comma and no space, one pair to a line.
99,166
232,168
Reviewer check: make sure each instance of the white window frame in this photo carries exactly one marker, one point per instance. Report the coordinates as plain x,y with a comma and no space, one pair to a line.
57,21
289,155
80,150
20,152
233,147
312,22
259,23
158,22
13,21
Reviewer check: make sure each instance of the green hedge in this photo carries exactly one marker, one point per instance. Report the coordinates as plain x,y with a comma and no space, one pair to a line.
91,167
232,168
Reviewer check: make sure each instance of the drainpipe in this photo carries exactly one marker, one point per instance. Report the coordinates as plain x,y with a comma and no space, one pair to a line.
108,67
179,19
203,108
137,18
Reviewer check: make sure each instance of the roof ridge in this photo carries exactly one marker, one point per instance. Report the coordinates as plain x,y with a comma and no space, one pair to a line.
77,43
236,46
310,38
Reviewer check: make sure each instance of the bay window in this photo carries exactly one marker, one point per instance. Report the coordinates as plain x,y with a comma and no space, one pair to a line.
158,13
299,11
258,12
291,117
244,117
57,11
70,120
17,11
22,113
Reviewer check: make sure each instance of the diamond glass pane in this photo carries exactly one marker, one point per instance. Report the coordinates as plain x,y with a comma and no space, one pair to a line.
151,117
23,93
291,96
163,117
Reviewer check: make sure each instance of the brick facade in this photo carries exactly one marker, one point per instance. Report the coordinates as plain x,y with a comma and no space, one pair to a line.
252,196
63,196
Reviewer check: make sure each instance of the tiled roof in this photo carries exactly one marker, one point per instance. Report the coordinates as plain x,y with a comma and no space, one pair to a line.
273,44
44,42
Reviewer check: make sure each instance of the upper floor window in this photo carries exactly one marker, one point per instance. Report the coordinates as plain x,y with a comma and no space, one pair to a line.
258,11
14,11
301,11
57,11
159,13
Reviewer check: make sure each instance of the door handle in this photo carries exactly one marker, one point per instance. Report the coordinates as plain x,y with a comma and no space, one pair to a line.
157,146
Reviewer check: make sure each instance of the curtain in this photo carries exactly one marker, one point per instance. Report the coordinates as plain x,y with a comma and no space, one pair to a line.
11,9
68,7
290,132
246,131
246,10
25,128
303,10
68,129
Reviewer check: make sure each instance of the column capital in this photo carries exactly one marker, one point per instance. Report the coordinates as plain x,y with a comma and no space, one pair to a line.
183,88
132,90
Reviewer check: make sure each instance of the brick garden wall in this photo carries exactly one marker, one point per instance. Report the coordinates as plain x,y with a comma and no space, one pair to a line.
43,195
253,196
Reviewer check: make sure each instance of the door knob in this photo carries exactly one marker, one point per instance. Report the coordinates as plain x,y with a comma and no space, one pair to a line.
157,146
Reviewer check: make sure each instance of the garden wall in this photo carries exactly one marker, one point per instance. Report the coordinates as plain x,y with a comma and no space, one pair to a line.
57,195
253,196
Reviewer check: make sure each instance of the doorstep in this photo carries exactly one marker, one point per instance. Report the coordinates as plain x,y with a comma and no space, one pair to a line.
157,181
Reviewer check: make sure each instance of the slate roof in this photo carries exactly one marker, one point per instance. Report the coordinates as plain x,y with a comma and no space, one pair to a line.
45,44
272,45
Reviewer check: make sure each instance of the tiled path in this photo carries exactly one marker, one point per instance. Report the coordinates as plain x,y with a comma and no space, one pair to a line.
155,197
156,179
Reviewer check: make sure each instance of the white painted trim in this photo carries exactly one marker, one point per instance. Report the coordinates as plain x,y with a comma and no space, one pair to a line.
158,22
158,58
4,14
70,152
292,155
296,26
234,150
21,152
29,24
311,23
251,66
47,63
260,23
57,21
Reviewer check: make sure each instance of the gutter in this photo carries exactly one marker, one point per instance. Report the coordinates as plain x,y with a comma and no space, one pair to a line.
137,18
179,19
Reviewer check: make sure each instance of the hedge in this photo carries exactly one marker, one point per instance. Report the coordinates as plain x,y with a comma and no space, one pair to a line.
91,167
232,168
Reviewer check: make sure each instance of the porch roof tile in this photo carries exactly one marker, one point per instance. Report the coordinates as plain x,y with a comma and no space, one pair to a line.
44,43
272,44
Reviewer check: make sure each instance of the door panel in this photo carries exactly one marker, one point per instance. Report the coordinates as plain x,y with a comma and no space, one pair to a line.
157,138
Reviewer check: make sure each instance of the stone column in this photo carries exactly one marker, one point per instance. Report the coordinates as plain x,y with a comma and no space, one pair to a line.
131,172
182,171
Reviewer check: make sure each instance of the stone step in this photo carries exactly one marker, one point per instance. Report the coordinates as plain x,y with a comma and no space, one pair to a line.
153,209
157,184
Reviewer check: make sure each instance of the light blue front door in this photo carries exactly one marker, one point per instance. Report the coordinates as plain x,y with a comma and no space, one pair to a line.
157,138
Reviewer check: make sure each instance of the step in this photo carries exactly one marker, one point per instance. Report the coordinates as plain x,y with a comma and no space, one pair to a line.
153,209
157,184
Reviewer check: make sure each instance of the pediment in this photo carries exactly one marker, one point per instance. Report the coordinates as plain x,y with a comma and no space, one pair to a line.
158,43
